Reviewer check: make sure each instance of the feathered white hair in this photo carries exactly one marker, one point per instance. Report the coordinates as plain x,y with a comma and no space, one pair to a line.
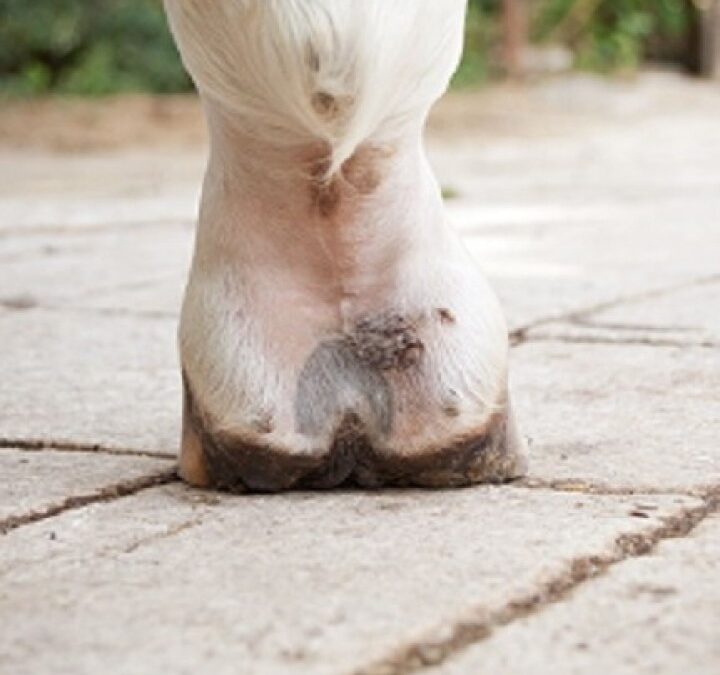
337,71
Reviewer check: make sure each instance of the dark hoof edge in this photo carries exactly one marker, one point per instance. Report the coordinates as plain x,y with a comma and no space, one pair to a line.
235,465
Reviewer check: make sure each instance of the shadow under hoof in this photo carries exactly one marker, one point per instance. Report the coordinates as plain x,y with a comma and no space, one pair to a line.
229,463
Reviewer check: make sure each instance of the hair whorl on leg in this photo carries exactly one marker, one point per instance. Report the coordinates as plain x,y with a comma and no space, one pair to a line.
341,72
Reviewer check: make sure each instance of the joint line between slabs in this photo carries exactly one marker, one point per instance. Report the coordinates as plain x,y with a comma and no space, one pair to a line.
603,340
520,335
479,624
103,495
42,445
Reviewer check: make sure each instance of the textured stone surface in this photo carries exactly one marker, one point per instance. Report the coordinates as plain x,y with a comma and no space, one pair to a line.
550,270
34,481
579,195
690,316
617,199
624,416
46,191
79,378
178,581
656,614
137,268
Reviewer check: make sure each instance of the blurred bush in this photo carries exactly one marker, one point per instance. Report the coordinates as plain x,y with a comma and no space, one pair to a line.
482,34
88,47
94,47
608,35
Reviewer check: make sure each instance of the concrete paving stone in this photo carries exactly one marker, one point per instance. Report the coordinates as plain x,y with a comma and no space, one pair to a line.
73,377
86,191
33,481
655,615
687,316
542,272
635,161
566,220
623,416
177,581
140,268
159,297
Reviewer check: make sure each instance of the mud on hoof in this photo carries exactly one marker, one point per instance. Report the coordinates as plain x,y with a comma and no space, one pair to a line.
494,454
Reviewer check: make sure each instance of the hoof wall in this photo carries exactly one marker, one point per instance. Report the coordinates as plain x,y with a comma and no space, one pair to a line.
496,454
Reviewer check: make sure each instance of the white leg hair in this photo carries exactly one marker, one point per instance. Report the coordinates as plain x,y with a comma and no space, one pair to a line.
277,65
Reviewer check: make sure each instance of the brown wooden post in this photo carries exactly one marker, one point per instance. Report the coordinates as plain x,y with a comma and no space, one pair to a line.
709,46
515,36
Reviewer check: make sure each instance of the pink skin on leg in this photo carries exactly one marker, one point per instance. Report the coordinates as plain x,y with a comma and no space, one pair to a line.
334,328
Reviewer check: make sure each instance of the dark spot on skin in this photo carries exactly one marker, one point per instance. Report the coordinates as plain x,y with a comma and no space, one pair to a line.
325,104
325,192
361,174
386,342
363,169
445,315
263,424
451,404
327,198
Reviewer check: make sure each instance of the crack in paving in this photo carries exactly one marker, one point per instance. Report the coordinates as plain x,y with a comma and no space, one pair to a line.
42,445
23,305
170,532
520,335
116,311
479,624
646,295
581,486
586,322
620,340
105,494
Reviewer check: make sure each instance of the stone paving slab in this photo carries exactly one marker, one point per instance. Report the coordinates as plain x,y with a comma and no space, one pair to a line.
178,581
622,416
89,379
93,252
33,481
655,615
688,316
139,268
89,191
558,269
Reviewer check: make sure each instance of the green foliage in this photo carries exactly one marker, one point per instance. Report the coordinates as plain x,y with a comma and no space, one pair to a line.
94,47
481,33
88,47
611,34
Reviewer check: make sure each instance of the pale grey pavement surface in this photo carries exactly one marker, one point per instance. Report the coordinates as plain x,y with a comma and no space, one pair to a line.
595,209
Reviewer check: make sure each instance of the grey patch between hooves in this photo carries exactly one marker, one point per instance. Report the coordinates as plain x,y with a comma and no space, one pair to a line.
335,382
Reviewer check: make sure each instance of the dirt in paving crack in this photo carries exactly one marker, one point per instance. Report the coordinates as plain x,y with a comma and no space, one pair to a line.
470,630
105,494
